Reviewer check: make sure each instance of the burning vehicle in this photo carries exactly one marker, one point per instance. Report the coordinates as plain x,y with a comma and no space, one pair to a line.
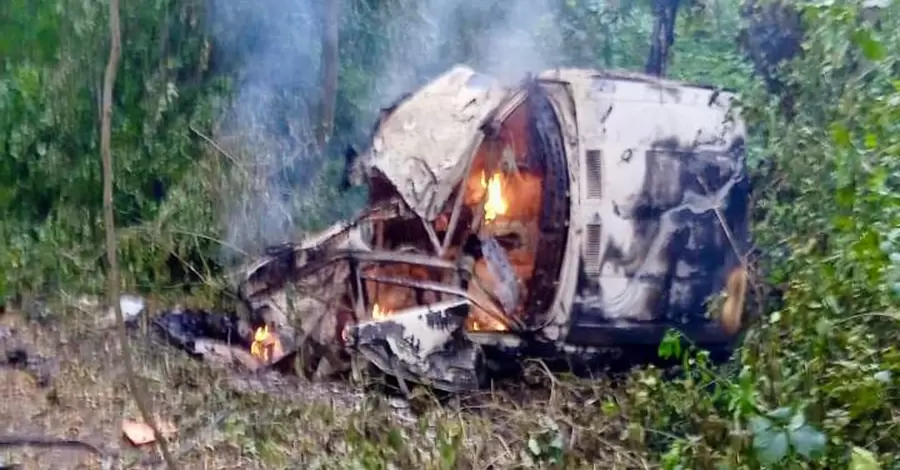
579,211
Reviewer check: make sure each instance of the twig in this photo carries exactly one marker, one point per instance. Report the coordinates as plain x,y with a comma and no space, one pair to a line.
216,146
109,79
212,239
330,70
14,441
743,258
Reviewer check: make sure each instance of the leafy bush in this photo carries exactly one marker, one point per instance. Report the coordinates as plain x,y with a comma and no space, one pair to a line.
815,385
50,174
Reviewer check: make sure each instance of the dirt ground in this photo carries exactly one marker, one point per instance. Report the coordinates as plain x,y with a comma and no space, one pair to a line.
227,419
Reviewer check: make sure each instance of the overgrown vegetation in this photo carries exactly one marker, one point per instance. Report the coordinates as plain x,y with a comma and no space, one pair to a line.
815,383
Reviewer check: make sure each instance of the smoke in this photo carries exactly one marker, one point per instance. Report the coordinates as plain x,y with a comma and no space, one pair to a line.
274,49
528,41
505,39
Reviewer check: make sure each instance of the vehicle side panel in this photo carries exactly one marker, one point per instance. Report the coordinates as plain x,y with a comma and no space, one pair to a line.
661,203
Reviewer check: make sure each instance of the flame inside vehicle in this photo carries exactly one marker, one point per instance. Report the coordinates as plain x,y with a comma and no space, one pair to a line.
378,313
496,204
266,346
485,323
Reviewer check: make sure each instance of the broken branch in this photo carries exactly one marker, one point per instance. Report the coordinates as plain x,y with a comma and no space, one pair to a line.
215,146
46,442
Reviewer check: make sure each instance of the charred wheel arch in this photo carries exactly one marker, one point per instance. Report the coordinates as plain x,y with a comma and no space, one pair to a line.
546,140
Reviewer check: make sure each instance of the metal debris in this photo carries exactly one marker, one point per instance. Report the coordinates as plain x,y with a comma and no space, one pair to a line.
140,433
131,305
185,327
224,354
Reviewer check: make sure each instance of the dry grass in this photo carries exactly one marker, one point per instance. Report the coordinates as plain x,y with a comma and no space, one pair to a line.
227,420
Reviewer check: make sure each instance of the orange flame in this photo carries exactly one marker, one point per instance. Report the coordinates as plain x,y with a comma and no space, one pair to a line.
495,204
485,323
266,346
378,313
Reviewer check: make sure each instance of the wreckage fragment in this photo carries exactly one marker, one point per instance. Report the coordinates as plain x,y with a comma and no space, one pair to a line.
582,209
420,344
225,340
184,327
140,433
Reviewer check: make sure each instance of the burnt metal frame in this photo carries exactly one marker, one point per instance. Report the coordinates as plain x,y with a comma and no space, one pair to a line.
515,98
395,207
508,105
356,257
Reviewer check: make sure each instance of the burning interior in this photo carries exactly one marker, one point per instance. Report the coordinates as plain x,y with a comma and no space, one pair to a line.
468,239
437,258
495,226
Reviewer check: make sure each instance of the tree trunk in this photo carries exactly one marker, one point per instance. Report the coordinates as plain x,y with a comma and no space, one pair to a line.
330,68
665,12
109,81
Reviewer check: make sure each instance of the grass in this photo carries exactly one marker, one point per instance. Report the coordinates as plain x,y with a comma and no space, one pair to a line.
231,420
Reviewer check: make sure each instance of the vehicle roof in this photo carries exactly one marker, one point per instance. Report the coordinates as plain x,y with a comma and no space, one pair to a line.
422,147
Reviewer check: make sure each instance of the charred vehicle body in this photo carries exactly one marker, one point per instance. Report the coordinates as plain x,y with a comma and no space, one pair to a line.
579,211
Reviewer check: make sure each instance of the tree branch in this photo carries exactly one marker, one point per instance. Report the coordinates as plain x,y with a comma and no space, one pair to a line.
330,70
109,80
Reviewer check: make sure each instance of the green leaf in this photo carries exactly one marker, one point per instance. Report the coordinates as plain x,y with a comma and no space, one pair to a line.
840,135
534,446
759,424
771,446
769,443
670,346
395,439
807,441
871,140
797,421
872,49
782,413
862,459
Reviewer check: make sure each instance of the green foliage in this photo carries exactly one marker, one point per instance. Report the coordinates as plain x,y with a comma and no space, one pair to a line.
702,54
49,115
814,385
606,34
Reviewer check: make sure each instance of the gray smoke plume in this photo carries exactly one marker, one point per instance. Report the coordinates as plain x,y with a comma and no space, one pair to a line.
505,39
276,48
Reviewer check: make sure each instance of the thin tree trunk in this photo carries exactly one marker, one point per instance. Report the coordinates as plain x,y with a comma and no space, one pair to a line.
665,12
109,80
330,68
